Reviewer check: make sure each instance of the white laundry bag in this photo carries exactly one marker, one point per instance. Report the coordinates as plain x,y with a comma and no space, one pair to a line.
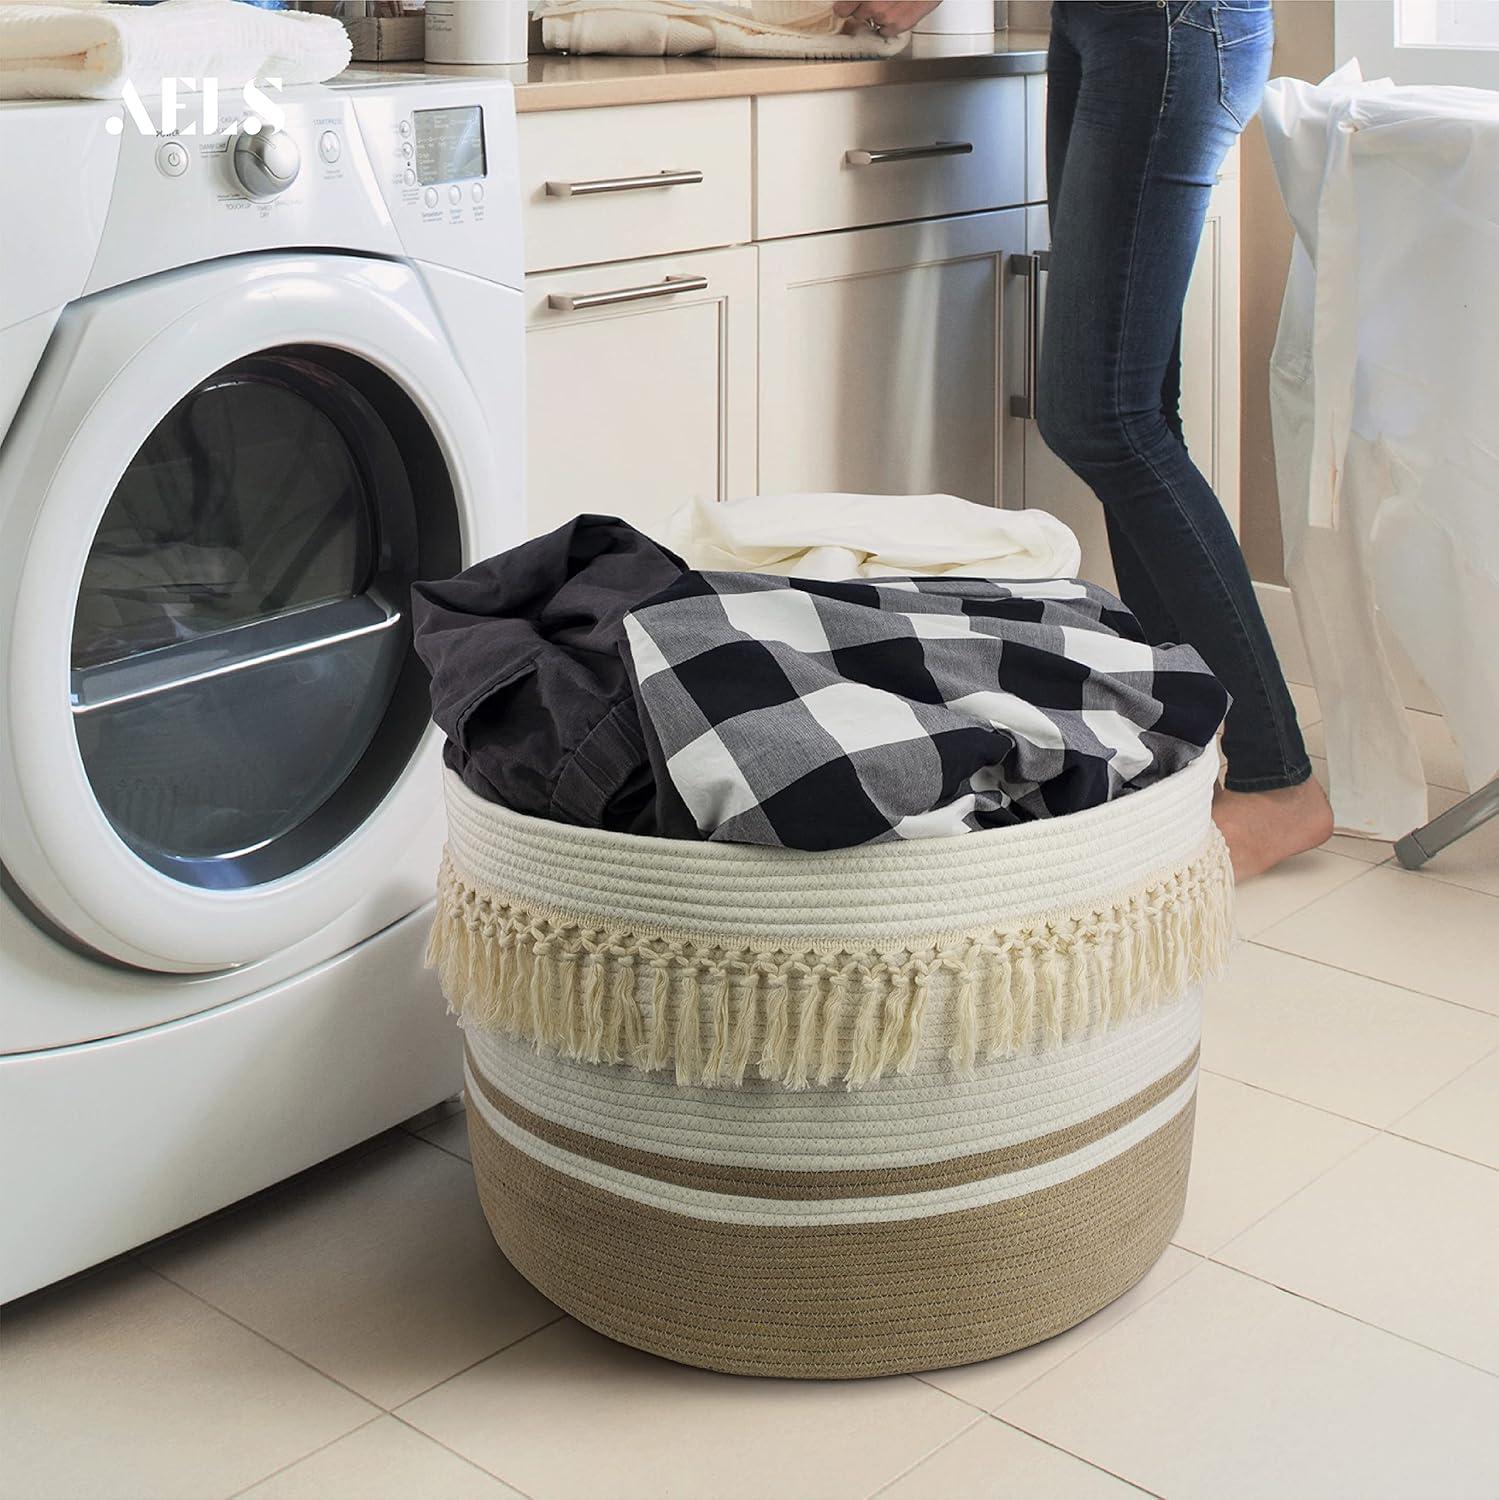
1384,391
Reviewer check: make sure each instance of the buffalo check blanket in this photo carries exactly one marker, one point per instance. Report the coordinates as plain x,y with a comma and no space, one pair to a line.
825,715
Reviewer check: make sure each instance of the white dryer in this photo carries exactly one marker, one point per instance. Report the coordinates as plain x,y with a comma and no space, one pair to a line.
251,388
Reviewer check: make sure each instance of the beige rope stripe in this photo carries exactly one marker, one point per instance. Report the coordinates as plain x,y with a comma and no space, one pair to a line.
799,1013
858,1299
811,1186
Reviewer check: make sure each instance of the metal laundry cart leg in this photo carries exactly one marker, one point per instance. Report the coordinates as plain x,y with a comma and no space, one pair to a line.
1431,838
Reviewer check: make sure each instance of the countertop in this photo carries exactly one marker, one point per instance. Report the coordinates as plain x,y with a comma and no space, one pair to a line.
559,81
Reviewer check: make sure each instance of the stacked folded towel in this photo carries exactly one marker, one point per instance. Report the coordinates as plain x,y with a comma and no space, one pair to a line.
677,28
91,51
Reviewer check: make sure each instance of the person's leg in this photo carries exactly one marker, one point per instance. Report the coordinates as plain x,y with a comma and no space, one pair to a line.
1063,75
1153,117
1135,583
1171,387
1063,80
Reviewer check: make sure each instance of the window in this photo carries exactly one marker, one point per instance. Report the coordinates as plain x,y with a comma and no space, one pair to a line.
1447,23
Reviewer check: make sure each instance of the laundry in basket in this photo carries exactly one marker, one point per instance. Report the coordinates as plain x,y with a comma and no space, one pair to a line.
589,677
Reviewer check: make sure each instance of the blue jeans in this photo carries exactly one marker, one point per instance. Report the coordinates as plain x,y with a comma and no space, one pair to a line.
1144,101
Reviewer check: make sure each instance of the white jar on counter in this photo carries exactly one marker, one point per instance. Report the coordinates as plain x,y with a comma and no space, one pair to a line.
958,18
476,31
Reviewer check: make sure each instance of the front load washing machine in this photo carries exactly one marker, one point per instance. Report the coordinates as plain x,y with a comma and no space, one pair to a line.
252,386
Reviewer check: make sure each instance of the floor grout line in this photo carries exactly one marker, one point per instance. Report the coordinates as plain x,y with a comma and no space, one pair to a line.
1379,1130
1321,1109
311,1453
1291,1197
301,1359
1364,869
1411,1140
473,1365
1091,1463
1196,1255
931,1452
1477,1062
982,1411
264,1338
1340,1312
437,1146
1258,942
1451,881
488,1473
1104,1333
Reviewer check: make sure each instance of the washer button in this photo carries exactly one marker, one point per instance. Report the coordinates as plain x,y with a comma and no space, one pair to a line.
430,197
405,127
455,196
171,158
477,192
329,147
406,150
410,178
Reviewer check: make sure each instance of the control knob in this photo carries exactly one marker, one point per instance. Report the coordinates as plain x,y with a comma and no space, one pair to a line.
266,163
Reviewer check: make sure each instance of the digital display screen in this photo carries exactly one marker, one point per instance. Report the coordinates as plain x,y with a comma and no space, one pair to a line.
449,144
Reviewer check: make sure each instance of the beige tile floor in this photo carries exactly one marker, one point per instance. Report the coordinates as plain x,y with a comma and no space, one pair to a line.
1326,1325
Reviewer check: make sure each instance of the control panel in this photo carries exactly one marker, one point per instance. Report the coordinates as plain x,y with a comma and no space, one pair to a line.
445,155
422,169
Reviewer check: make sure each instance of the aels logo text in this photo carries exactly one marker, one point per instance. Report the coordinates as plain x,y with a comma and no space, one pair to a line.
265,112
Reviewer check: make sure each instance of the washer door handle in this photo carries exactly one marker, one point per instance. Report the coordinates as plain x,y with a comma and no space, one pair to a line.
225,652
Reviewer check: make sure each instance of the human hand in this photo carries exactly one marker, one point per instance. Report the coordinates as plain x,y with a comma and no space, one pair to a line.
889,16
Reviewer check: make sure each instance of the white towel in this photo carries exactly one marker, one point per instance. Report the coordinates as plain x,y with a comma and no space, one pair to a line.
91,51
675,28
834,537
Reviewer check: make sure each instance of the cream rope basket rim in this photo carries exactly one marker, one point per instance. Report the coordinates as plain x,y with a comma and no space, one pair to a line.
720,961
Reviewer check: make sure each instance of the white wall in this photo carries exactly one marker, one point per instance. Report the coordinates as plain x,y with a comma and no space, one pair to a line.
1366,29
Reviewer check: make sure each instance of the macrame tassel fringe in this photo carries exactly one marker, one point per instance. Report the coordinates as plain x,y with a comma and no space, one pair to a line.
710,1012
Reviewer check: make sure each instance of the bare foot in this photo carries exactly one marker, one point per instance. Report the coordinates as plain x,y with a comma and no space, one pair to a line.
1263,828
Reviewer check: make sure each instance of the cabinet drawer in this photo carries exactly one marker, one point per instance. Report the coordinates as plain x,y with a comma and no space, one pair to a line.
879,155
591,181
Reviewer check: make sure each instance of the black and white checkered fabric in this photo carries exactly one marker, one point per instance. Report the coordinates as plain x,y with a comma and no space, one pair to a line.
825,715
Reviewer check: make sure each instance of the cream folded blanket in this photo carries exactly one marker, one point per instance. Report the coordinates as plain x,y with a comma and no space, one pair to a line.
833,537
676,28
92,51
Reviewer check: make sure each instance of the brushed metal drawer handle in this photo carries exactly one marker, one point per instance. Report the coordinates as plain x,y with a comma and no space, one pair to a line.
623,184
673,286
907,153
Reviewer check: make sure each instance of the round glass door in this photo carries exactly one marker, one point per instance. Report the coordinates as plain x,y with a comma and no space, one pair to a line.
243,687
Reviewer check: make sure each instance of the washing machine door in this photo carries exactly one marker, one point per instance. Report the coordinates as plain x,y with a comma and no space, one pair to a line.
218,492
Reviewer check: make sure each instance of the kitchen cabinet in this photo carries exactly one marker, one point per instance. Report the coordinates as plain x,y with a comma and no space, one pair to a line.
881,358
641,386
868,328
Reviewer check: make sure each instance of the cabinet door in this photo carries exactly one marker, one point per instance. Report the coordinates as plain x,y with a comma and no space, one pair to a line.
1210,384
642,395
884,361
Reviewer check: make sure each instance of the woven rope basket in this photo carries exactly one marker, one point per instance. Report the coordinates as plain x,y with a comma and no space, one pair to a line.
830,1115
